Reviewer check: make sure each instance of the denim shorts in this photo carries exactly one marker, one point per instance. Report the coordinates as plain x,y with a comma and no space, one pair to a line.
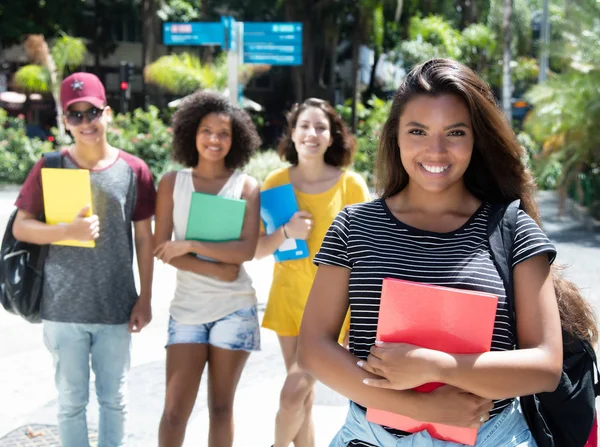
237,331
508,429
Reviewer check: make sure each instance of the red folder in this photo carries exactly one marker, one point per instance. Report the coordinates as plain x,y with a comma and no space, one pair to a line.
441,318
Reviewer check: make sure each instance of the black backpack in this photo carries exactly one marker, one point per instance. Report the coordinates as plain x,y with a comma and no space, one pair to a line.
22,266
564,417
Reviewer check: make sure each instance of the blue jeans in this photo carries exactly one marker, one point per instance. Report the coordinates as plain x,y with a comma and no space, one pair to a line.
239,330
508,429
71,345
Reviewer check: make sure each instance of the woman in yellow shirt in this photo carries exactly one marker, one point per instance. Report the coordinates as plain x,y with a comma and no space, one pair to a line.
319,146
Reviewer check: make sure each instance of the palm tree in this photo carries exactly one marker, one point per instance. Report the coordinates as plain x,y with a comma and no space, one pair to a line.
182,74
48,67
566,109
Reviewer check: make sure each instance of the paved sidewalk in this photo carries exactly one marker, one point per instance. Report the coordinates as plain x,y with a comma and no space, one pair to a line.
28,397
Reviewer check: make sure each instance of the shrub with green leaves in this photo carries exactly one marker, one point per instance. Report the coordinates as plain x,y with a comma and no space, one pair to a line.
263,163
371,117
144,134
18,153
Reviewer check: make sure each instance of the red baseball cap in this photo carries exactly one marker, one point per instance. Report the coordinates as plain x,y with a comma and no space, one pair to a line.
82,87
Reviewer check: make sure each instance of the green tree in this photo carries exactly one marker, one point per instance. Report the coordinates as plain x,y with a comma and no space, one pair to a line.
566,109
183,74
23,17
49,65
180,11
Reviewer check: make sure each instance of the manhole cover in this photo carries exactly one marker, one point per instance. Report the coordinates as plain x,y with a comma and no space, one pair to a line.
38,435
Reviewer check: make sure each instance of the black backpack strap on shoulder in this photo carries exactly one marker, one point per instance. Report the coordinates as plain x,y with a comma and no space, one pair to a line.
592,353
502,225
53,159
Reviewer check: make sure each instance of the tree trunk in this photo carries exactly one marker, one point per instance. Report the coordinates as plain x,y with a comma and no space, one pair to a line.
55,82
207,51
398,13
506,59
148,41
371,88
332,66
427,7
97,26
355,51
468,13
298,73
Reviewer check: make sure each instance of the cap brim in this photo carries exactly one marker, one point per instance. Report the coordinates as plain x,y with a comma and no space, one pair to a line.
96,102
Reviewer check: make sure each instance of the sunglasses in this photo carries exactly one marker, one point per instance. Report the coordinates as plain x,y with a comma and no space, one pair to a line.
75,118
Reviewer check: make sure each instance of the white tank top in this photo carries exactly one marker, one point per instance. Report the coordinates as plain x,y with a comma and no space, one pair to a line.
200,299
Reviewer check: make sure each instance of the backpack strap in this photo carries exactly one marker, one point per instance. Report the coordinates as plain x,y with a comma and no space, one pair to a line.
53,159
501,229
589,349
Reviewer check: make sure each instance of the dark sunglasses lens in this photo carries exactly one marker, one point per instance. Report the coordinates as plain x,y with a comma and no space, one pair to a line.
75,118
93,114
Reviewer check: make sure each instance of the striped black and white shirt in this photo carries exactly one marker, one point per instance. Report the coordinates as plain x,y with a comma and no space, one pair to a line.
368,239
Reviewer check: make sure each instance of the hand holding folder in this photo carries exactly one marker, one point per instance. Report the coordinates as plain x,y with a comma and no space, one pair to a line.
277,206
66,193
441,318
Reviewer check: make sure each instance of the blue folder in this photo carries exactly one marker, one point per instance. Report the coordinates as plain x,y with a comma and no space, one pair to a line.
277,206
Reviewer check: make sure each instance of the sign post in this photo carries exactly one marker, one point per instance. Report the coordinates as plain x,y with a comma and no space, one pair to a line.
232,45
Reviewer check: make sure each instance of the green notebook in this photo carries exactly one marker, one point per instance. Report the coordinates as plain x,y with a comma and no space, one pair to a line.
215,218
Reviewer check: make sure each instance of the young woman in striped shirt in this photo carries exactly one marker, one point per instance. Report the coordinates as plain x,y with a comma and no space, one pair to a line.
446,153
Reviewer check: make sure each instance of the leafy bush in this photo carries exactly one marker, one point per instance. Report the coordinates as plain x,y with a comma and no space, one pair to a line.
531,147
371,118
18,153
144,134
263,163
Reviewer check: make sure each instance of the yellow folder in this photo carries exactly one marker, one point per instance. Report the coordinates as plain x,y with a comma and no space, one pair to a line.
66,192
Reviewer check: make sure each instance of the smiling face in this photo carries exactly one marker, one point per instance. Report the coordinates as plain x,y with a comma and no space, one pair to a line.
436,140
90,128
312,134
213,138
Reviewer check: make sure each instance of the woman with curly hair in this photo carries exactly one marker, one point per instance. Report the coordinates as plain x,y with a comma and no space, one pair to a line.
319,146
446,154
213,319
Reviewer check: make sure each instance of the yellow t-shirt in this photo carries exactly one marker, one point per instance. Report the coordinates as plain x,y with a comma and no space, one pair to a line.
292,280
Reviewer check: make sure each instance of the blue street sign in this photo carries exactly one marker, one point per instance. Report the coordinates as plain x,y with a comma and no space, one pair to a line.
273,59
270,48
194,33
273,43
284,39
272,28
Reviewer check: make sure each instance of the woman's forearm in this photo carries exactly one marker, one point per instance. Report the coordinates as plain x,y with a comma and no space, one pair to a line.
333,365
191,263
501,375
233,252
269,243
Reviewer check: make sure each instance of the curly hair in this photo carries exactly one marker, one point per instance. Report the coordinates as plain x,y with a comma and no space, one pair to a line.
189,115
496,172
341,151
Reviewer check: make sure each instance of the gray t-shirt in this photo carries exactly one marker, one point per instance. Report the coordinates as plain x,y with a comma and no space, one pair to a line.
96,285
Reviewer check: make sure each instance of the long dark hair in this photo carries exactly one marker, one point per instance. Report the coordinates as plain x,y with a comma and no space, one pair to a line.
496,172
341,151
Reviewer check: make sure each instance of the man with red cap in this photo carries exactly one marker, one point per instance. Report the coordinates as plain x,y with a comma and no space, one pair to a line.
90,304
